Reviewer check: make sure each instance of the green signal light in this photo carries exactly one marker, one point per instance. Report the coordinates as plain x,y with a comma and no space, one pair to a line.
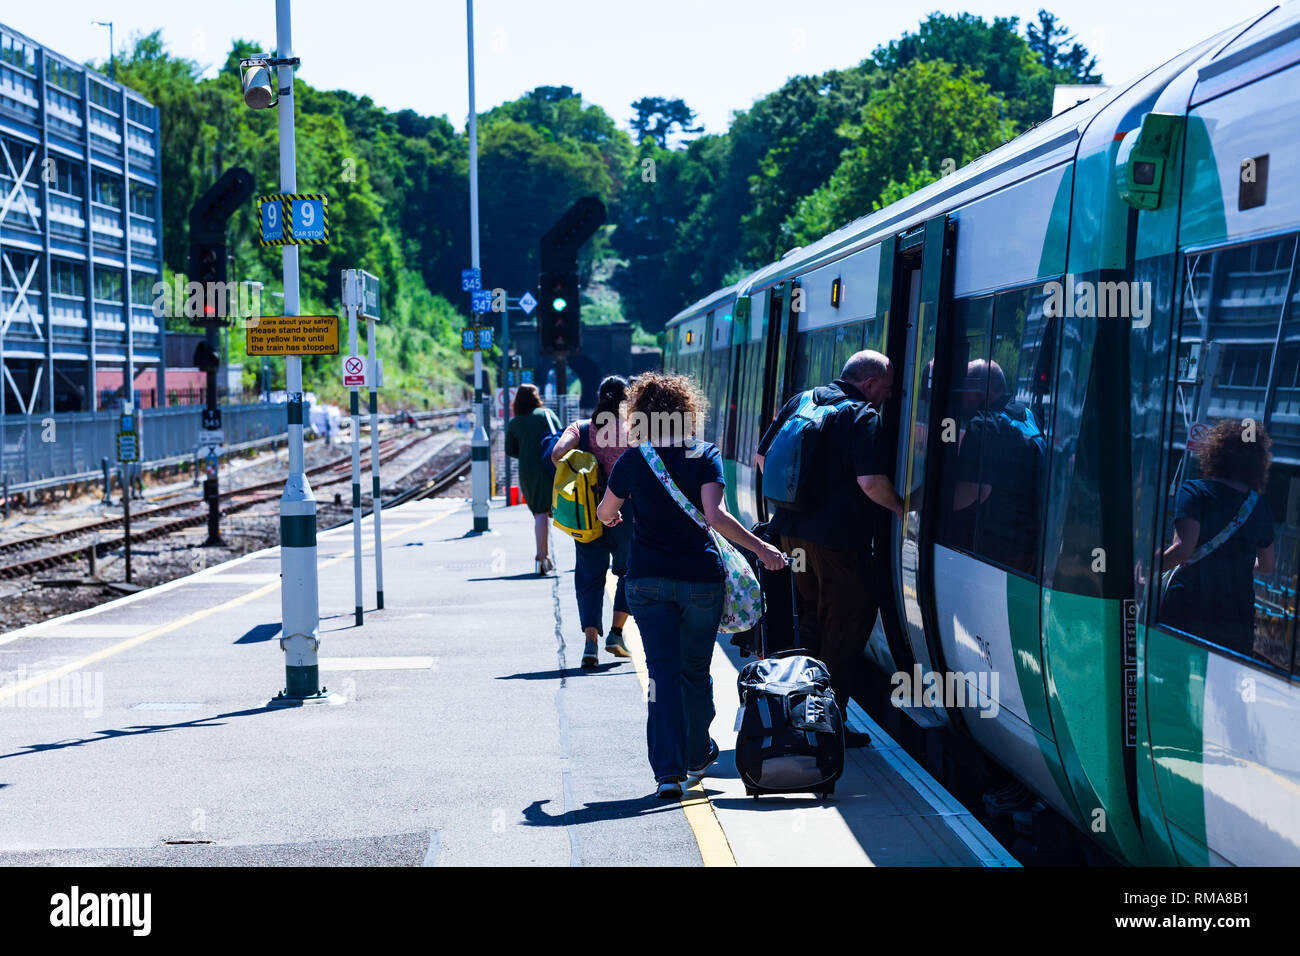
558,304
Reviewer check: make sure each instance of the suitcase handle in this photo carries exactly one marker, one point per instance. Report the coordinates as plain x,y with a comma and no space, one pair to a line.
792,652
794,607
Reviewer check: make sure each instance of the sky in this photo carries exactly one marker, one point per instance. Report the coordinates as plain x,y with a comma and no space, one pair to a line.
718,55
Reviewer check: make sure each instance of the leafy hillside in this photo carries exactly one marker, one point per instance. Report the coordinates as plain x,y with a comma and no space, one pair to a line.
686,212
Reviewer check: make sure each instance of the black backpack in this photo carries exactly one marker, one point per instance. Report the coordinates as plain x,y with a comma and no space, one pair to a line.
791,735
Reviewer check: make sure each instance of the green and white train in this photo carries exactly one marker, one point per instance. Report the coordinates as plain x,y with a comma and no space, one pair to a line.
1176,200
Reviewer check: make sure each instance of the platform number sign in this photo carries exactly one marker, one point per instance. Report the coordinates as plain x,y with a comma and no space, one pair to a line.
471,280
308,217
294,219
476,339
481,301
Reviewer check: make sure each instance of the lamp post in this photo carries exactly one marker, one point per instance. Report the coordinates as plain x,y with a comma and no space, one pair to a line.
112,56
478,452
268,82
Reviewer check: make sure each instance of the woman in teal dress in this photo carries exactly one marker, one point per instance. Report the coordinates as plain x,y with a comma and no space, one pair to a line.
530,424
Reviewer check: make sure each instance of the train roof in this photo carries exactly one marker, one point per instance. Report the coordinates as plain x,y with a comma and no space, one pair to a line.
1047,144
703,305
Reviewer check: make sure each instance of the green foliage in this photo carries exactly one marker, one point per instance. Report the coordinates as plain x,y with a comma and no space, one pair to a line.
802,161
930,112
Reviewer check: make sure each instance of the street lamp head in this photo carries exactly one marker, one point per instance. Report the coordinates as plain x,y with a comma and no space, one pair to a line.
259,80
258,83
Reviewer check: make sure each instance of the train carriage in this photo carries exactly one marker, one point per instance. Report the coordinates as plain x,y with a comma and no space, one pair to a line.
1130,267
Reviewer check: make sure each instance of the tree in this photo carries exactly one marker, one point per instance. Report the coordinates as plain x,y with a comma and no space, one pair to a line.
1048,39
655,118
929,113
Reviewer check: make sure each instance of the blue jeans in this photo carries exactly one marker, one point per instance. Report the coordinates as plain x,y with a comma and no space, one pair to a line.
593,560
678,621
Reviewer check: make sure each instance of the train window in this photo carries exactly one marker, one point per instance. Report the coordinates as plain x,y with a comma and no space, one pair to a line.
1231,542
993,435
750,396
716,420
848,339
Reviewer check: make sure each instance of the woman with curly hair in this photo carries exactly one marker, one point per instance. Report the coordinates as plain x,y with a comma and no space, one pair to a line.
675,575
1223,535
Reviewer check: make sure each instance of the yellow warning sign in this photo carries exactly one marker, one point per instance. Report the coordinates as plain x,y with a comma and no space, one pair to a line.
292,335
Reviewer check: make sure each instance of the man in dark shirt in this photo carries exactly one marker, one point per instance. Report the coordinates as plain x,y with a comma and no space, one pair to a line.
836,578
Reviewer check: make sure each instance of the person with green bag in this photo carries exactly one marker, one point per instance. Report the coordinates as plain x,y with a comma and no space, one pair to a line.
676,582
604,435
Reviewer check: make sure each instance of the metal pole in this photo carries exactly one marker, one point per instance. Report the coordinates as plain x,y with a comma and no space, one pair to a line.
354,406
505,393
124,475
299,594
479,444
211,481
372,375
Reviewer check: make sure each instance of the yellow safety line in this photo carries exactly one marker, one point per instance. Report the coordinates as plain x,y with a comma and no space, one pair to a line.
11,690
709,835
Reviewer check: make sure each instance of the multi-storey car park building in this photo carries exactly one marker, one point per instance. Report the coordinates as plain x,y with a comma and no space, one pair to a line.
80,234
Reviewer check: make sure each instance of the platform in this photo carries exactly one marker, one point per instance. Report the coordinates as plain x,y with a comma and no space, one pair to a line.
460,731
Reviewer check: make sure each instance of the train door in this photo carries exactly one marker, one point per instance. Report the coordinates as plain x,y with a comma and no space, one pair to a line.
920,283
782,327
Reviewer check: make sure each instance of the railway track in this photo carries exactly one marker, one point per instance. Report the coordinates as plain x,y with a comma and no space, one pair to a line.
143,523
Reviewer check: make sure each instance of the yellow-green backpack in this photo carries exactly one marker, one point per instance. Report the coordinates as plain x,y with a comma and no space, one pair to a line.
573,501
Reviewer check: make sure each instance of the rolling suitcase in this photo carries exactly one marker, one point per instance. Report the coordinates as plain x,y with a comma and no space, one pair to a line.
791,734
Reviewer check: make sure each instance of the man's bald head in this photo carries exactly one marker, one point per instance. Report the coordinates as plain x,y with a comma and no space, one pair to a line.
870,373
981,371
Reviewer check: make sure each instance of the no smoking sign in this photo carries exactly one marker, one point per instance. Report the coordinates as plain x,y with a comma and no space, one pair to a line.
354,370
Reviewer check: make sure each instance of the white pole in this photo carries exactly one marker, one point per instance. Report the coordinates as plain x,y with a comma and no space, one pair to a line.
299,594
479,445
354,406
372,376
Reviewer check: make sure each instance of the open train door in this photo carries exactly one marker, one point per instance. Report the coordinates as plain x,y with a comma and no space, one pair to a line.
916,282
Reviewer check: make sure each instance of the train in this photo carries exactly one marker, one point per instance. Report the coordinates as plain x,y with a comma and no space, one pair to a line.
1131,266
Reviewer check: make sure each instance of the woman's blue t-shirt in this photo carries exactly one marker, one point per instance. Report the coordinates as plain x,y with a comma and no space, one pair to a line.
1214,598
666,543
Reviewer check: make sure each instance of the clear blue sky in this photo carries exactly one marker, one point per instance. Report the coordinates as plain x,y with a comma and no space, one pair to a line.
718,55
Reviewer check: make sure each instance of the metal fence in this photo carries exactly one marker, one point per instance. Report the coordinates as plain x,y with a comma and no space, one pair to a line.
40,447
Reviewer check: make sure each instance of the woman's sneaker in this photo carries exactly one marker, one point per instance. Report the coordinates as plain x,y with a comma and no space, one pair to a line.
614,645
703,768
669,789
589,655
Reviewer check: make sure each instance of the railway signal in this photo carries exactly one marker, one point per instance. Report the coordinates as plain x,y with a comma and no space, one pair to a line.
559,320
559,316
208,219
